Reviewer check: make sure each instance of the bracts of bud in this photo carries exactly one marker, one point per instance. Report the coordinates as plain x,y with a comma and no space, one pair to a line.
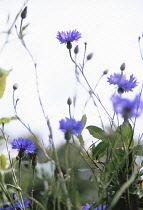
122,67
34,159
69,101
76,49
15,86
89,57
69,45
24,13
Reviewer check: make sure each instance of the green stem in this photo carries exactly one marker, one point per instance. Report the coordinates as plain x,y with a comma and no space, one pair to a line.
62,177
33,185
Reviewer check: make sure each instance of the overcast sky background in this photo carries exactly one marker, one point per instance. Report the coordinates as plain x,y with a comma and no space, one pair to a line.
110,28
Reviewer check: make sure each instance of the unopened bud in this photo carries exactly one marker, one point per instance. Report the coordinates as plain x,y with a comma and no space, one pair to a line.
76,49
69,45
15,86
89,57
105,71
14,196
24,13
34,159
69,101
122,67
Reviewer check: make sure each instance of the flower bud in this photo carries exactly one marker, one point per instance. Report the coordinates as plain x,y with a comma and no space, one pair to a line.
105,71
69,101
122,67
15,86
14,196
34,159
76,49
24,13
69,45
89,57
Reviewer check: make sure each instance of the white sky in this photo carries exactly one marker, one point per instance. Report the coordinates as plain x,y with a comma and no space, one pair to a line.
110,28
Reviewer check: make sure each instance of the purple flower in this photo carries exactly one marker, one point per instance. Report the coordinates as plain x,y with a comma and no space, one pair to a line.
23,146
127,108
88,206
70,126
68,36
123,84
17,205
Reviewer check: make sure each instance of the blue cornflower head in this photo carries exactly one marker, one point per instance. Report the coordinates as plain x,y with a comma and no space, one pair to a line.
70,126
127,108
17,205
88,206
23,146
123,84
68,36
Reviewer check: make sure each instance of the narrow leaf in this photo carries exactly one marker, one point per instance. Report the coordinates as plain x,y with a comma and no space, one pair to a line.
84,119
3,162
7,120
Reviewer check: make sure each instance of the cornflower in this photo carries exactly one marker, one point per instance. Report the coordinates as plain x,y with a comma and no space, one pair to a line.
17,205
123,84
70,126
68,36
127,108
23,146
88,206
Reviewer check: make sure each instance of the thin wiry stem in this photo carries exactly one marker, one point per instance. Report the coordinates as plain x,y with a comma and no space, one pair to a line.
11,27
48,125
92,91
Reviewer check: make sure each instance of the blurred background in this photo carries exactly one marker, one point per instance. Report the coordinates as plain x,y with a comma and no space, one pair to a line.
111,30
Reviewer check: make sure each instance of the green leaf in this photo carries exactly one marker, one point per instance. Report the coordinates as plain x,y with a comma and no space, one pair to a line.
24,27
138,150
80,139
24,183
84,119
77,197
124,132
3,75
99,150
7,120
3,162
97,133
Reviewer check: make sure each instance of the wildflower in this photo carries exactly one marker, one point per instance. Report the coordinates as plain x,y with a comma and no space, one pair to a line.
68,36
123,84
70,126
88,206
17,205
23,146
127,108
